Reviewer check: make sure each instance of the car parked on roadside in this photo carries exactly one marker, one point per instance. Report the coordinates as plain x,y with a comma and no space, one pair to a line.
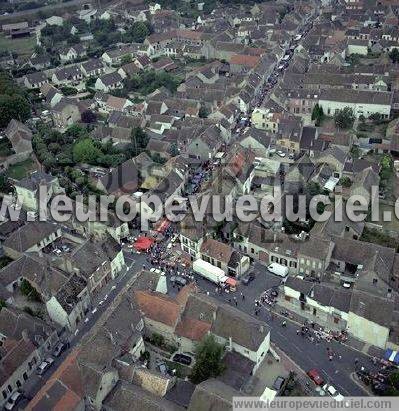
59,348
13,401
332,392
178,280
278,383
42,367
247,278
315,376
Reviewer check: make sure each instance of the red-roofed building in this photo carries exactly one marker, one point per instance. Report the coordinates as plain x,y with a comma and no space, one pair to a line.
193,329
63,391
240,63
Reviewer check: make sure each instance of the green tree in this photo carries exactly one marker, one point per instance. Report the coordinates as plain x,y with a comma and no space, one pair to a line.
344,118
394,55
174,151
90,83
76,131
29,291
5,185
394,380
139,141
2,304
13,106
203,112
158,340
138,32
313,189
317,115
127,58
209,360
85,151
376,117
345,182
148,81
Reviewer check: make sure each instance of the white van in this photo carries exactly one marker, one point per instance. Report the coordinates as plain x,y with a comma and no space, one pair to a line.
278,269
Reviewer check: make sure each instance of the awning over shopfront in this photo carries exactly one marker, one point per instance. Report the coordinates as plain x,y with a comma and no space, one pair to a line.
143,243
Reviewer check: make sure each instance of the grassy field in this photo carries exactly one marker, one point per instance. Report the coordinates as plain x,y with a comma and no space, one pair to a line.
23,46
20,170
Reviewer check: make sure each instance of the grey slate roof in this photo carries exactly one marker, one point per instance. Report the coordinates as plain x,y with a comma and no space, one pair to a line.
29,235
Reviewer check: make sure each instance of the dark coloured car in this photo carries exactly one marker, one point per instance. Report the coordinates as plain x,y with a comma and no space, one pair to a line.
176,279
247,278
59,348
278,383
182,359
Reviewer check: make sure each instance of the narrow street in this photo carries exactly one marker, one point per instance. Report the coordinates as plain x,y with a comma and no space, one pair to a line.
305,354
102,302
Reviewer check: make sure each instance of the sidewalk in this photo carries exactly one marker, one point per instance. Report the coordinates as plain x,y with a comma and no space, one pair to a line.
301,375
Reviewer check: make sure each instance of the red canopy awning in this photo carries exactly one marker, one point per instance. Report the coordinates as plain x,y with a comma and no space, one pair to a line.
162,225
231,282
143,243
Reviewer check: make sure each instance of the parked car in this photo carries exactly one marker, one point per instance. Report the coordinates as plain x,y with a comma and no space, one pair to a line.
59,348
163,369
315,376
176,279
247,278
42,368
332,392
281,153
182,358
13,401
278,383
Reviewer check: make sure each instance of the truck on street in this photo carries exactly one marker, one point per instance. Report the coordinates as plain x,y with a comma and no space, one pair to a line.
209,271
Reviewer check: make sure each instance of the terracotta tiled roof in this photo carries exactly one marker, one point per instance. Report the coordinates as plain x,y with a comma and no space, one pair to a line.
158,307
184,293
192,329
217,250
244,60
63,391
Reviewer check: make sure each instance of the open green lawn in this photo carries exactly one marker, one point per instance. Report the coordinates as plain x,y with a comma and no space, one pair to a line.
20,170
23,46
